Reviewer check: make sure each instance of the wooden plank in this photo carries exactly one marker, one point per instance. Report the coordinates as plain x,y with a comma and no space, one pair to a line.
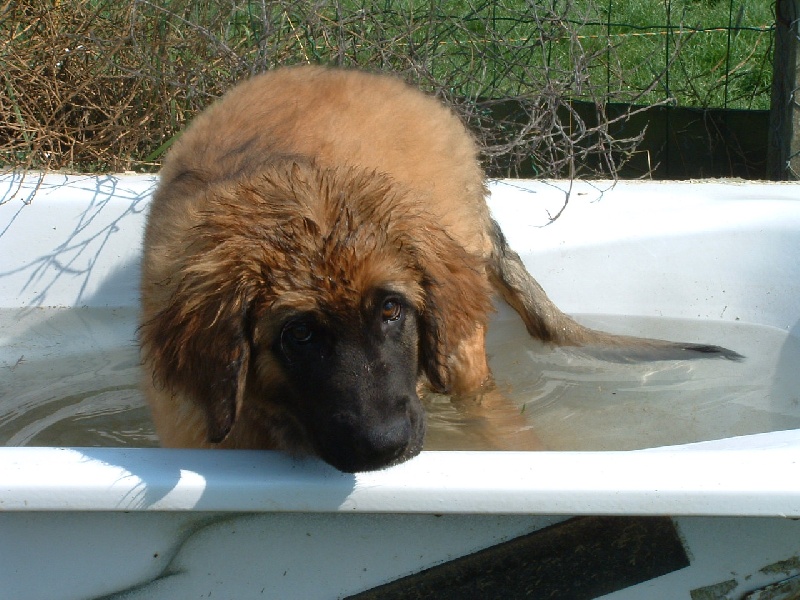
784,131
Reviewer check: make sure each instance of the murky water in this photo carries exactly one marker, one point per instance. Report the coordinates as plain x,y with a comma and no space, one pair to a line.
69,378
572,400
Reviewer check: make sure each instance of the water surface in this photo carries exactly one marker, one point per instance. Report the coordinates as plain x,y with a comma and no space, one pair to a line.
70,378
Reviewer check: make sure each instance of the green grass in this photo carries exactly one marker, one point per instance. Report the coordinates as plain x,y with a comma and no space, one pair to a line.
714,67
698,53
701,53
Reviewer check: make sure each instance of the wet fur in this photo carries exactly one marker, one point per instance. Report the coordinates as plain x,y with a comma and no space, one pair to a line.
321,197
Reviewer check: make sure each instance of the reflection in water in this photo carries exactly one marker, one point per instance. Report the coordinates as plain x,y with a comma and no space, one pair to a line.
69,378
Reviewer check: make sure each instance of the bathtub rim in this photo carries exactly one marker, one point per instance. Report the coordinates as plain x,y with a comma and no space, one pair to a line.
754,475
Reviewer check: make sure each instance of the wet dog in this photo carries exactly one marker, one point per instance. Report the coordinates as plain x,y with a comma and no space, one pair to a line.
318,248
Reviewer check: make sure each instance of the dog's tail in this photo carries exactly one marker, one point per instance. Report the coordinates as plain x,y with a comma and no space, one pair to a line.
546,322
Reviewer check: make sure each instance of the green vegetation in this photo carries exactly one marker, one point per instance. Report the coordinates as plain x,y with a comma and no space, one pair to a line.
702,53
720,52
108,84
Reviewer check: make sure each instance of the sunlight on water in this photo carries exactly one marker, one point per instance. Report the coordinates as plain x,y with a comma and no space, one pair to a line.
575,401
70,379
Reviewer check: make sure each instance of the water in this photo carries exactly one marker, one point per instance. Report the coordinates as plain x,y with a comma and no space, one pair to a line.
576,401
69,378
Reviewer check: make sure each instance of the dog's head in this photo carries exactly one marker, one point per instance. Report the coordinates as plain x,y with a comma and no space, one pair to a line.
313,302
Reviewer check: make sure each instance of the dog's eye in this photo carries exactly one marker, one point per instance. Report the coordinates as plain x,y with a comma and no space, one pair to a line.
298,332
391,310
301,339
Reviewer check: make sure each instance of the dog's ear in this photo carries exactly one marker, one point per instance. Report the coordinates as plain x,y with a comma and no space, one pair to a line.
457,301
199,345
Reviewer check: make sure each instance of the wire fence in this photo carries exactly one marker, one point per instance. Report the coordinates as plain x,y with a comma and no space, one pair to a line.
551,89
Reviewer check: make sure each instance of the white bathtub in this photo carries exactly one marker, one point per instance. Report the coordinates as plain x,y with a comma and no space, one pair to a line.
152,523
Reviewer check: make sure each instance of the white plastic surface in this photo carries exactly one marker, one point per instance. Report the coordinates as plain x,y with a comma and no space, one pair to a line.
716,250
751,476
79,523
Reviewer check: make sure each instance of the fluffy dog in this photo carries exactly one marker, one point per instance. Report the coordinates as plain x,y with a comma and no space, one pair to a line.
318,247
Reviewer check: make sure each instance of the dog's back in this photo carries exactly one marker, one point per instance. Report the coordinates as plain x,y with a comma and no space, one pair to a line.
339,118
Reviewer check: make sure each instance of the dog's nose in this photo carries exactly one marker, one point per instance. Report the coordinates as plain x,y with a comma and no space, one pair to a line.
385,442
359,444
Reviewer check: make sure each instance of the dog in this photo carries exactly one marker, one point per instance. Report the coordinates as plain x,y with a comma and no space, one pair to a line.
319,248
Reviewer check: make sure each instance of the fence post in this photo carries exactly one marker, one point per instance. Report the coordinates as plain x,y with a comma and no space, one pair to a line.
783,160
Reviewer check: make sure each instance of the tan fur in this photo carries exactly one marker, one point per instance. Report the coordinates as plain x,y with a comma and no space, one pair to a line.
293,131
304,188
